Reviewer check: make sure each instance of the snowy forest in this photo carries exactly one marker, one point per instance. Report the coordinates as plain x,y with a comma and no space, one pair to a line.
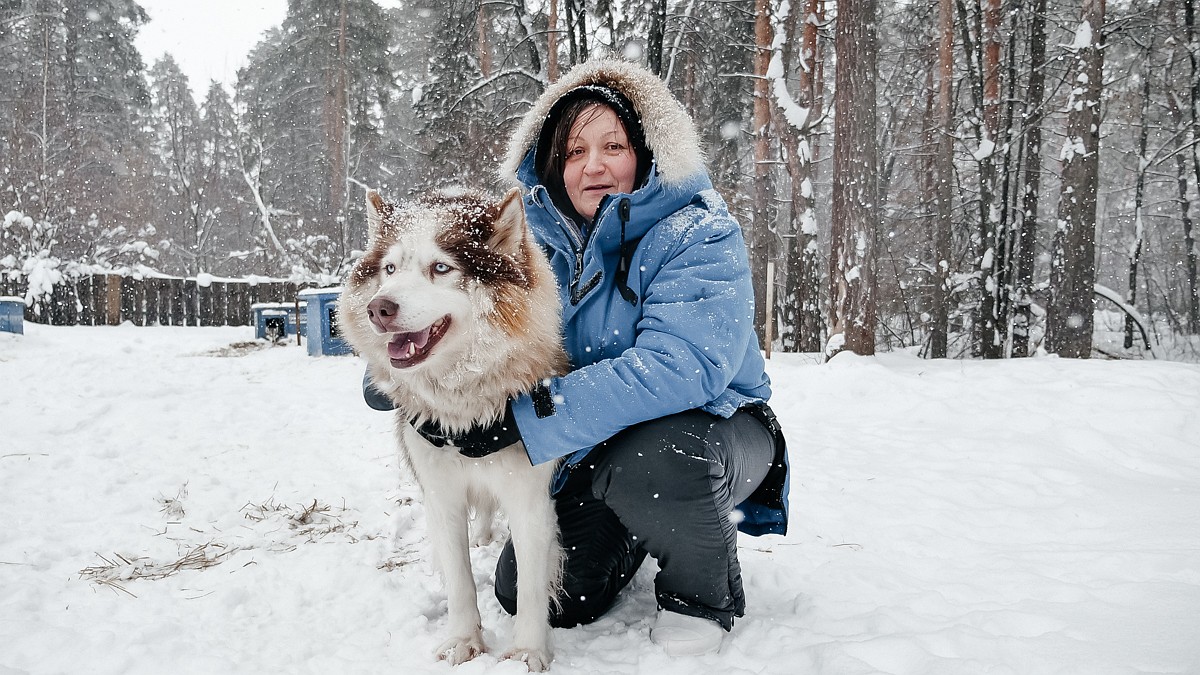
968,178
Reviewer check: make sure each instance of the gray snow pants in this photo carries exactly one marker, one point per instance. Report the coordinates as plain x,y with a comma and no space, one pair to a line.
666,488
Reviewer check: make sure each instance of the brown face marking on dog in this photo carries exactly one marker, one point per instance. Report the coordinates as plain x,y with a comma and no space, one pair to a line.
509,276
511,304
383,237
368,267
465,239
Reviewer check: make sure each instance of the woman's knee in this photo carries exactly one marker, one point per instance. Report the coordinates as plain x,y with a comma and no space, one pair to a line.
589,588
659,462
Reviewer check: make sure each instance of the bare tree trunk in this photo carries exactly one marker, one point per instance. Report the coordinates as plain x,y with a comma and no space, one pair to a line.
944,184
656,37
1189,241
254,182
1027,237
1193,49
989,341
802,318
44,140
552,43
1009,172
483,47
759,239
336,130
685,17
1073,262
855,188
1139,193
928,182
576,21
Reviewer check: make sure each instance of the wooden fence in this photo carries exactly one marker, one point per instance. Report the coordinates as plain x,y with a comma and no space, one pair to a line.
110,299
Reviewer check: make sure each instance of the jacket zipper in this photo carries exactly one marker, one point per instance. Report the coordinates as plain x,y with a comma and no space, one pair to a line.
578,243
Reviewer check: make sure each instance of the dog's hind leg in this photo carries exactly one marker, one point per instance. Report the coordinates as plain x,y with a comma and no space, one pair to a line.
446,514
533,523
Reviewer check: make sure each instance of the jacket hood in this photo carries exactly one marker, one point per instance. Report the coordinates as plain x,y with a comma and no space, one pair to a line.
669,131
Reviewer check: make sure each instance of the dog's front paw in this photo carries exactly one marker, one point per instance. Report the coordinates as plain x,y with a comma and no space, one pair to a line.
538,660
458,650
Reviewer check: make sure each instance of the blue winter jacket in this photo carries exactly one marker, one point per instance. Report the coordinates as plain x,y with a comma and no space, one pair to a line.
688,341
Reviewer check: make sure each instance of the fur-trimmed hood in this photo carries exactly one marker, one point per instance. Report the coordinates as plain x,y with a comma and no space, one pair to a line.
670,132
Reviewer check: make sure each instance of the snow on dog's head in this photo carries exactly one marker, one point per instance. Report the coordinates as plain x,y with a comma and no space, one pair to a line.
442,278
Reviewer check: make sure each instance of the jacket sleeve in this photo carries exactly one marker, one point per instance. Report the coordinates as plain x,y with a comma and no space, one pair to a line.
697,319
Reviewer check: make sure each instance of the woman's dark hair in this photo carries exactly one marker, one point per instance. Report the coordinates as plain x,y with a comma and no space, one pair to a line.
550,158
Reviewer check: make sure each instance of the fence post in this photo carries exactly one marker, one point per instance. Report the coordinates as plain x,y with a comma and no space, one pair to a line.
189,302
56,305
243,303
175,288
150,287
162,292
112,299
83,289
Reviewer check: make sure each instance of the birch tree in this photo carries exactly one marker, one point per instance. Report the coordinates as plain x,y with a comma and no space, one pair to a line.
1139,194
762,230
799,113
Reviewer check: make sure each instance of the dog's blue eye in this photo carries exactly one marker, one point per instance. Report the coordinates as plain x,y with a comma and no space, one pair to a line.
389,268
441,268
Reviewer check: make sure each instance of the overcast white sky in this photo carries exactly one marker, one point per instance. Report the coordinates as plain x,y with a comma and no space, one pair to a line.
208,38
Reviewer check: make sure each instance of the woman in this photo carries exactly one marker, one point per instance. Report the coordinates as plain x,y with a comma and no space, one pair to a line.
669,447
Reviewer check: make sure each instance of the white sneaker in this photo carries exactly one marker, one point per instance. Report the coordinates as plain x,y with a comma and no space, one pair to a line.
682,635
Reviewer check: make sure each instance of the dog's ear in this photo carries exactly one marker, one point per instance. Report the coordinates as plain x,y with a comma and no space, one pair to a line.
509,230
378,211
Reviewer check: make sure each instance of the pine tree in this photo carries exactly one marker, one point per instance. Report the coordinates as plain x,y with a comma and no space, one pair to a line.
180,205
226,216
457,136
75,99
326,66
852,304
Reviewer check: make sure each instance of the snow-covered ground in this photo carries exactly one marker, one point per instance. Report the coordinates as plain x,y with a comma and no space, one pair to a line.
174,505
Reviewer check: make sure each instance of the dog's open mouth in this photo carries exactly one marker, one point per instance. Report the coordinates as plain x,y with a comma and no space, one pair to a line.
408,349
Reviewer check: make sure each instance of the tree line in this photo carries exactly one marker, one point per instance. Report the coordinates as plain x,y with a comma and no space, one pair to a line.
955,177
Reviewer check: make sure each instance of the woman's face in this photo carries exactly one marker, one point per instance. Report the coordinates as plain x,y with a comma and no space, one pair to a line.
599,159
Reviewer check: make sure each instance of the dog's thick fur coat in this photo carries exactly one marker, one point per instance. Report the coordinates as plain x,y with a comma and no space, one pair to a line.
456,309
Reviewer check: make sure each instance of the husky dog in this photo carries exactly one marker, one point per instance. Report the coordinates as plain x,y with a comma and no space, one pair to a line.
456,309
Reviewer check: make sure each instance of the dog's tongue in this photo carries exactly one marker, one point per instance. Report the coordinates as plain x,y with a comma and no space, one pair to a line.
398,346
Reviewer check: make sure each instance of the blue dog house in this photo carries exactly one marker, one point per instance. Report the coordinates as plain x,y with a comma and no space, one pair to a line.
12,315
277,320
324,339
